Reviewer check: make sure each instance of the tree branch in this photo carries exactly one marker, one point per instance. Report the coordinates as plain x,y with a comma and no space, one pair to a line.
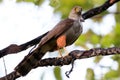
14,48
73,55
77,54
100,9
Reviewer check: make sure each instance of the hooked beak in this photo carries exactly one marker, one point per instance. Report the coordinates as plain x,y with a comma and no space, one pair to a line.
81,19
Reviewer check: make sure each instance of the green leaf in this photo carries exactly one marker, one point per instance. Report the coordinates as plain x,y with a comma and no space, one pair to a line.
107,40
117,35
97,59
54,3
116,58
110,75
90,37
80,41
117,16
95,39
1,1
90,74
57,73
98,2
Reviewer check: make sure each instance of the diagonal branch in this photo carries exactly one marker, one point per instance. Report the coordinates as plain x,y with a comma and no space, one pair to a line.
14,48
100,9
76,54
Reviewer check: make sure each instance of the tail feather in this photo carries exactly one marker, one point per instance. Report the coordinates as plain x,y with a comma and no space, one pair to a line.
29,62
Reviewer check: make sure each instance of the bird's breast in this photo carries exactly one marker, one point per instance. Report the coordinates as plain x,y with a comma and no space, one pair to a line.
73,33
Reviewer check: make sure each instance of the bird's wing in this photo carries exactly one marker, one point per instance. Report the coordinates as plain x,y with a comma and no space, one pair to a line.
60,28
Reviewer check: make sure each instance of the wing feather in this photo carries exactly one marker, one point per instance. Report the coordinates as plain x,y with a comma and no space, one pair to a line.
60,28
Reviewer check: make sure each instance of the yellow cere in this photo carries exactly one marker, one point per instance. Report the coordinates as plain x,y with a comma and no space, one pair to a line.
77,9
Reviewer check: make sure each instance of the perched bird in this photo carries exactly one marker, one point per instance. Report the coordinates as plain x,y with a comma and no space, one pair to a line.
63,34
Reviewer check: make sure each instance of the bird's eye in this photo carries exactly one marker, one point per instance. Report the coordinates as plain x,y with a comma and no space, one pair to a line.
77,9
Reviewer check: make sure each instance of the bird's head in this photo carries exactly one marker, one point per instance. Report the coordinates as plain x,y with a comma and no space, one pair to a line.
75,13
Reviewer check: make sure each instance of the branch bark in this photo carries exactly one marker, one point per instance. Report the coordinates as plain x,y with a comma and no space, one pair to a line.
14,48
73,55
78,54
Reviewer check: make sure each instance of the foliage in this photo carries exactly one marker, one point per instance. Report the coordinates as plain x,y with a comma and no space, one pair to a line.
0,1
97,59
111,74
88,37
117,35
90,74
57,72
64,6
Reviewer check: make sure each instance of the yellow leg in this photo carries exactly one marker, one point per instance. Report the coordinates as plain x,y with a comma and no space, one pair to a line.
60,53
66,52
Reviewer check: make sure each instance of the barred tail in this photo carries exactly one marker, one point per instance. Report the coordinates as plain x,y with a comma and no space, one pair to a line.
29,62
